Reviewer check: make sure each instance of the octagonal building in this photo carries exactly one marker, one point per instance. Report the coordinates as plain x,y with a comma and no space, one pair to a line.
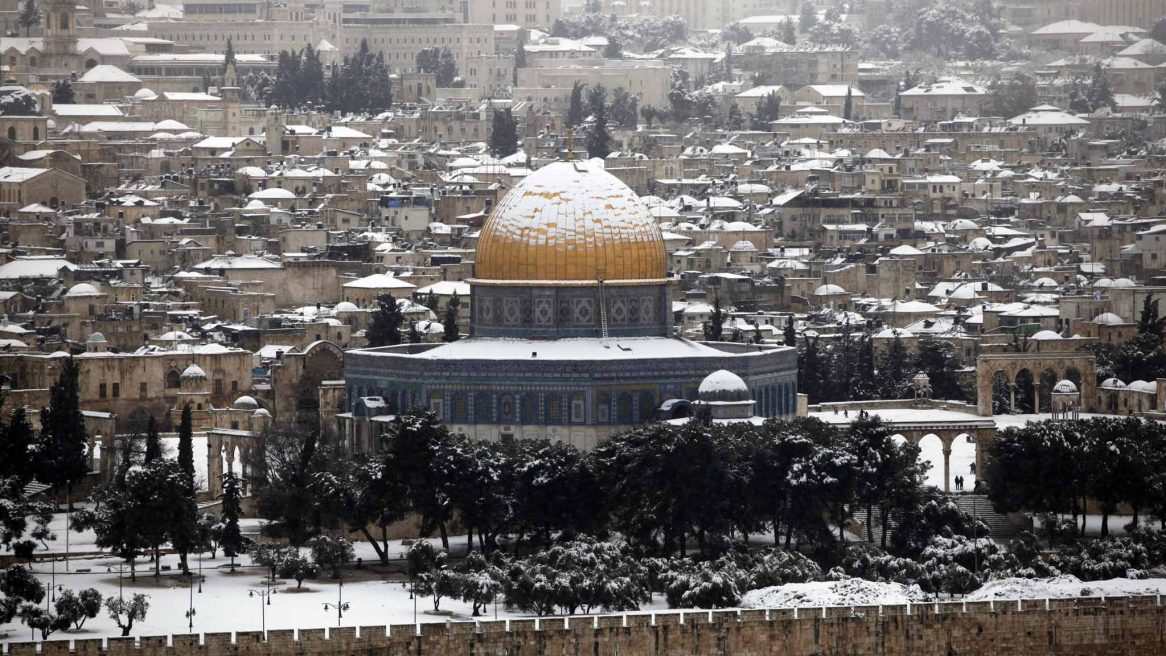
570,333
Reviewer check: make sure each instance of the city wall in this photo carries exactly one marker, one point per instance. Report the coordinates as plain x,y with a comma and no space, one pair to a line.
1066,627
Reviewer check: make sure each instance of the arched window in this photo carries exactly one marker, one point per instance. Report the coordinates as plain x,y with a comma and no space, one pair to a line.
483,408
603,408
172,379
530,408
460,403
623,408
647,406
506,409
554,412
12,134
35,133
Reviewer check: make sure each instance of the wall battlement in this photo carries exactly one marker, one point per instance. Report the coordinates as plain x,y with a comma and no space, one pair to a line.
1133,626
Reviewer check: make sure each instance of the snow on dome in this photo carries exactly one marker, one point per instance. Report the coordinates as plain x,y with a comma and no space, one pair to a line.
274,193
193,371
145,94
1112,383
1044,282
963,224
82,289
96,338
260,412
1046,334
981,244
1065,387
570,221
245,403
828,289
891,333
171,124
212,348
59,354
743,246
1104,282
345,306
174,336
723,385
1107,319
1143,386
1123,283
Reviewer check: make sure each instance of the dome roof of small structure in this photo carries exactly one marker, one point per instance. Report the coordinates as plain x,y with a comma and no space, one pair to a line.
891,333
1065,387
96,338
245,403
1107,319
1124,283
1112,383
345,306
1046,334
193,371
828,289
212,348
723,385
82,289
1044,282
261,412
1144,386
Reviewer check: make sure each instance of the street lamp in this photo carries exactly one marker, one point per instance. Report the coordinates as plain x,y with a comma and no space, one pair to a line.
265,600
340,604
190,610
120,569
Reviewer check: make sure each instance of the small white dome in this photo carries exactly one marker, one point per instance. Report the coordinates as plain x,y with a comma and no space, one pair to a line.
193,371
1144,386
82,289
260,412
723,385
345,306
1065,387
1046,334
1124,283
1104,282
1044,282
96,338
828,289
962,224
245,403
1112,383
213,348
1107,319
891,333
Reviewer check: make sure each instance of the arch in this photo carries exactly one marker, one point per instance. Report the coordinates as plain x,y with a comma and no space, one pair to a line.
530,405
964,451
647,405
506,410
554,409
483,408
11,133
139,420
1025,385
173,379
1001,393
460,412
931,448
1074,375
624,408
90,63
1048,379
602,408
36,133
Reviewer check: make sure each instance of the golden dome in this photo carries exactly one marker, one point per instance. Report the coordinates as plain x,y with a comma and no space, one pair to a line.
570,221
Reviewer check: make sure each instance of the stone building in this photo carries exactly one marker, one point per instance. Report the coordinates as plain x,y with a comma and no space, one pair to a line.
570,329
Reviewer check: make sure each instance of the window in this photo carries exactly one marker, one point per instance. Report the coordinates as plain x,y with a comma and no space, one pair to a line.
218,386
116,390
172,379
234,386
101,390
143,390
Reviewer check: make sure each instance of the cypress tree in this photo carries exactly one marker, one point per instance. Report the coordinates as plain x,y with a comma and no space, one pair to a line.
450,323
153,444
63,440
186,445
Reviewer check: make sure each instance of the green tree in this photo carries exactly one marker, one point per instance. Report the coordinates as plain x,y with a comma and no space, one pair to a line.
153,442
450,324
186,445
232,539
848,105
124,612
228,56
734,120
75,608
331,552
63,93
807,17
1012,96
29,17
598,137
789,335
504,133
385,327
624,109
714,328
575,105
768,110
788,32
1100,93
942,364
61,459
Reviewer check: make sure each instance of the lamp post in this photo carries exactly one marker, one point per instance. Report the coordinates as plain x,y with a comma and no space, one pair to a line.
200,572
190,609
265,600
340,604
121,569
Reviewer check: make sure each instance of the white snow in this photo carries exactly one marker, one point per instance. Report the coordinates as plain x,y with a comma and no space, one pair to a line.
848,592
1065,585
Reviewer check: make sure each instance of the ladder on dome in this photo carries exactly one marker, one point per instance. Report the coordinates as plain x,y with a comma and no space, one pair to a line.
602,305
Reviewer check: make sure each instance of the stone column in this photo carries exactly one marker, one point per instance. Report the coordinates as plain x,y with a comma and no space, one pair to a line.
1012,397
1036,397
214,466
946,468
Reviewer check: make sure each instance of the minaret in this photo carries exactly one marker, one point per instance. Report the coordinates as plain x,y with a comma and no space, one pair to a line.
60,33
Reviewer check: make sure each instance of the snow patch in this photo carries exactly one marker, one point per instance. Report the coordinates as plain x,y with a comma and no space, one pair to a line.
848,592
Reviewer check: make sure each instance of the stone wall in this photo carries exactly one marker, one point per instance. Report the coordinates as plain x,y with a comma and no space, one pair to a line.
1071,627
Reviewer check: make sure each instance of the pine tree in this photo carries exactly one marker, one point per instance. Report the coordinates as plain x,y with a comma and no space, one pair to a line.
598,136
63,441
768,110
504,133
519,60
715,327
29,17
848,105
789,334
1100,93
1148,321
735,120
186,445
385,327
16,442
228,56
807,17
575,106
232,539
450,323
789,32
153,442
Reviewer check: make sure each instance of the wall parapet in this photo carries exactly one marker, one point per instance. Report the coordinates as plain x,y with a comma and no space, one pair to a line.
1133,626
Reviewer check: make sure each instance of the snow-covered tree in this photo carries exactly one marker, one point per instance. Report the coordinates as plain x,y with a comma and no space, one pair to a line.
331,552
124,612
74,608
